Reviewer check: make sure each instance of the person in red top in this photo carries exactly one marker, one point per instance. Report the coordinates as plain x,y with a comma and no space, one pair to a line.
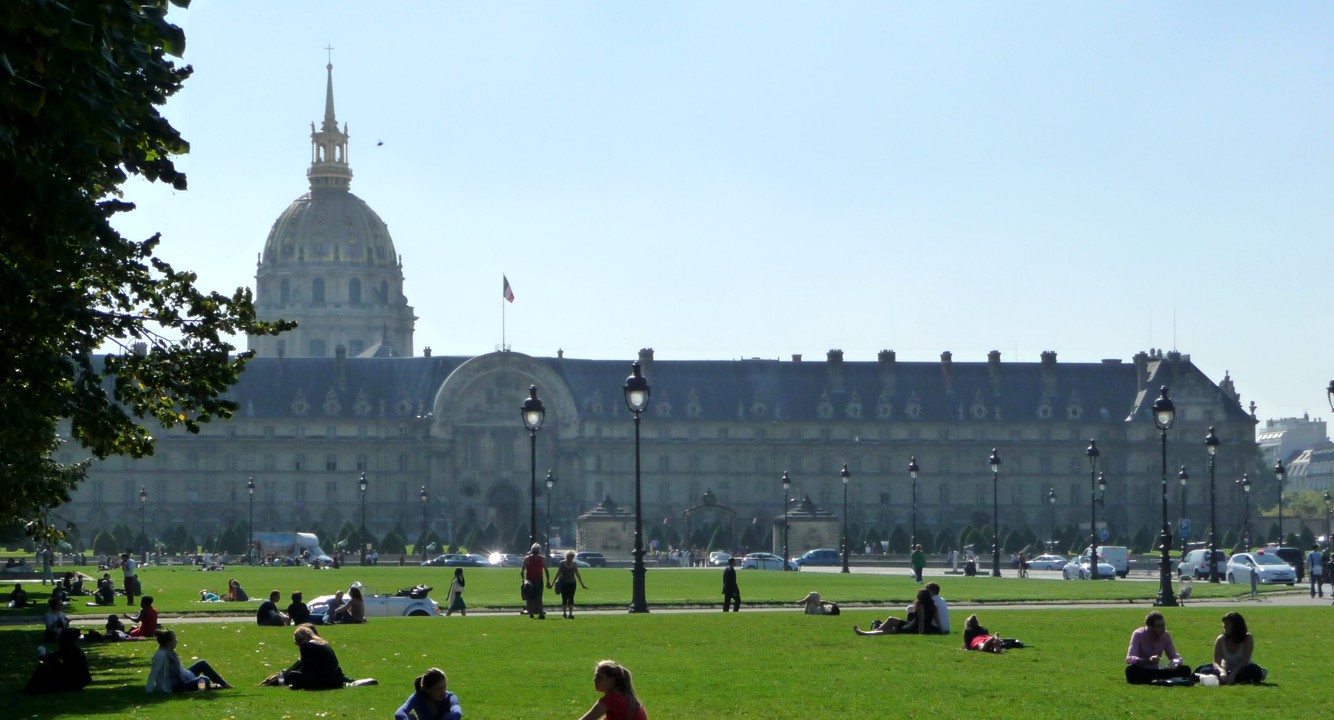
619,701
147,618
535,576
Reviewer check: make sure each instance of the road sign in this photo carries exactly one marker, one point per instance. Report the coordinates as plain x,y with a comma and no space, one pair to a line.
1103,534
1183,527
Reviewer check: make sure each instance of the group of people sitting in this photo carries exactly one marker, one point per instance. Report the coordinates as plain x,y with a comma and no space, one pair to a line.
929,614
1152,644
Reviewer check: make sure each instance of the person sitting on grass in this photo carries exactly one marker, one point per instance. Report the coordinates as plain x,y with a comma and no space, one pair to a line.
268,614
815,606
921,619
1148,646
55,620
63,670
431,699
976,637
318,667
146,617
106,591
18,597
236,593
298,613
619,701
1232,655
209,596
355,609
168,676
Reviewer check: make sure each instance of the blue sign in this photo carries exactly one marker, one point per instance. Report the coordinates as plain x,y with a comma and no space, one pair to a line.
1103,534
1183,527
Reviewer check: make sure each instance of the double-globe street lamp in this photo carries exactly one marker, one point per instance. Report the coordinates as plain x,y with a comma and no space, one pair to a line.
787,486
534,414
425,500
912,473
1051,526
551,484
1164,413
637,393
846,476
1280,474
995,462
1329,501
361,536
1184,477
143,512
1092,453
1211,445
250,493
1245,483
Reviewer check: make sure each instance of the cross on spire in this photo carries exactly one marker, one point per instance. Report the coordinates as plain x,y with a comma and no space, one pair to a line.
330,50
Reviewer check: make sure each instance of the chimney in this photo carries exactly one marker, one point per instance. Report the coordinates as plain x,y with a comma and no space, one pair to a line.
834,367
340,361
796,357
646,362
560,353
947,370
994,369
1049,373
1141,361
426,351
886,364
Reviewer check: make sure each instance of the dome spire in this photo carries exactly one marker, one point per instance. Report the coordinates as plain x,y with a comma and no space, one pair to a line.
328,145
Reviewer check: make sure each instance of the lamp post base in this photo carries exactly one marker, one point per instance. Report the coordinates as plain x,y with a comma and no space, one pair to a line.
1166,596
638,599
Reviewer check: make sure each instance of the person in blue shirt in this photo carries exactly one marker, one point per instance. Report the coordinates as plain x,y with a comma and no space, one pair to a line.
431,699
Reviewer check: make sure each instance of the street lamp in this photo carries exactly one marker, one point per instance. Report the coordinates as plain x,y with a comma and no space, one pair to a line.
1092,453
995,462
1211,445
143,509
551,483
1280,474
787,485
1184,478
1245,483
533,416
845,475
637,392
1329,542
361,536
425,499
912,473
1051,503
250,491
1329,393
1163,415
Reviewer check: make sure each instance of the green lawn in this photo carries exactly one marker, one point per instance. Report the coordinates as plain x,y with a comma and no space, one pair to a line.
176,589
711,665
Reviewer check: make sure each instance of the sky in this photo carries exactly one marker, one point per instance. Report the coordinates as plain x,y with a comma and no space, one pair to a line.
745,179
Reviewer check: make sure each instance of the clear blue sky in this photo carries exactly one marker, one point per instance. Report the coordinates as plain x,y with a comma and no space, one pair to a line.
727,180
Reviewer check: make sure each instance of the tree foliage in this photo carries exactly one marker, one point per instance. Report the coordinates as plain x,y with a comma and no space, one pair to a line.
81,82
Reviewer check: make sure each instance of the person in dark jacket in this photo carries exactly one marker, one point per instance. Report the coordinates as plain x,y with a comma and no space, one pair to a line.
297,610
318,668
731,591
63,670
268,614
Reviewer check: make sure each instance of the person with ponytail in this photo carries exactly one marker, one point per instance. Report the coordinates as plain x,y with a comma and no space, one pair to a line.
619,701
431,699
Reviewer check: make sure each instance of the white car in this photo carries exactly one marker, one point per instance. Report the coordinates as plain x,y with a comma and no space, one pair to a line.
1196,565
718,558
409,602
500,559
766,561
1268,569
1079,568
1048,562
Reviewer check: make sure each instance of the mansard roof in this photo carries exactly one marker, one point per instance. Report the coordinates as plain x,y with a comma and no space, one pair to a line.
750,390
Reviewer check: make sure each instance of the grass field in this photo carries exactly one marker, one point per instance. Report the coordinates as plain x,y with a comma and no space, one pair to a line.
703,665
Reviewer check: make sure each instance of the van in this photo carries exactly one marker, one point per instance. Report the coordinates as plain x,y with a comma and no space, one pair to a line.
1195,565
1118,556
820,556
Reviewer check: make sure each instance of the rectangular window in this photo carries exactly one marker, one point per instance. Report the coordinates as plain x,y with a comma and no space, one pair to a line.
331,462
944,493
402,493
299,491
362,463
402,463
299,463
331,491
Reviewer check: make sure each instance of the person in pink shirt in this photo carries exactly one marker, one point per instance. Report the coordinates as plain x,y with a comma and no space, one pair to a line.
146,617
1149,645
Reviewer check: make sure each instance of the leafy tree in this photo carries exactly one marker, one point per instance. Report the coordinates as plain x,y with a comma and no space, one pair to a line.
898,540
392,544
81,82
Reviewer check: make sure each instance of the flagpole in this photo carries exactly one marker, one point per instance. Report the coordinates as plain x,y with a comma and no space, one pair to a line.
502,324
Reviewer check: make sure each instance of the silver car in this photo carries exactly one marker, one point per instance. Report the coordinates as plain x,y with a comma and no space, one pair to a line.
766,561
1268,569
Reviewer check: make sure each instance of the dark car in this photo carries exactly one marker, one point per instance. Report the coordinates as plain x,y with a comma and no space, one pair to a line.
1292,556
820,556
594,559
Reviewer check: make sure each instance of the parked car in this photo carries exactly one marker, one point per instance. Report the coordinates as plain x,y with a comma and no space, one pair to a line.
439,560
820,556
499,559
469,560
1290,555
594,559
1196,566
1117,556
718,558
1268,569
408,602
1079,568
1048,562
766,561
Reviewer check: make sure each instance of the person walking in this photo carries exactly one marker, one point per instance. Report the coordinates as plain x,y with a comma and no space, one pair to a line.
454,600
731,591
535,576
918,561
567,574
1316,562
131,570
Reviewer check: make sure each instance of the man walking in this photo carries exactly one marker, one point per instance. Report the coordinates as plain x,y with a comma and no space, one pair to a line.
731,592
1316,562
918,562
131,569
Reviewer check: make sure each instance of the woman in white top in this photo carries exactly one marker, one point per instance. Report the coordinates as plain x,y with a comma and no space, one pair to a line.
1232,655
167,675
